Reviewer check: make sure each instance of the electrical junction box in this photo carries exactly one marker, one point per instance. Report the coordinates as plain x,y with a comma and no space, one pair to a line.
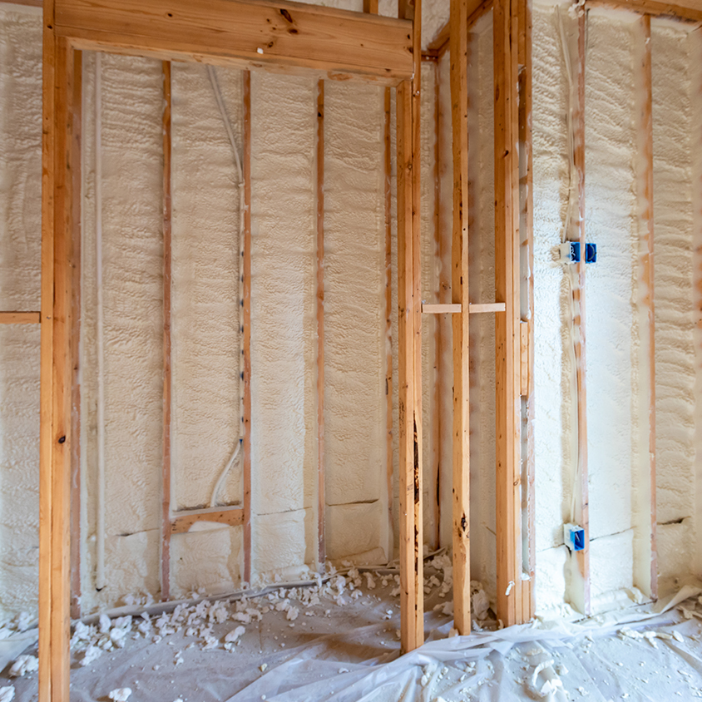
570,252
574,537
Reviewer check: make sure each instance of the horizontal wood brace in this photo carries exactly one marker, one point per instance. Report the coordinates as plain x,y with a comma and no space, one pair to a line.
487,307
441,309
456,308
20,317
183,520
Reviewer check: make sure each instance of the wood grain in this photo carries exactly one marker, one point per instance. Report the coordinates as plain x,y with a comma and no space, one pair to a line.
460,321
20,317
507,290
247,33
56,438
441,308
181,523
439,341
526,186
409,349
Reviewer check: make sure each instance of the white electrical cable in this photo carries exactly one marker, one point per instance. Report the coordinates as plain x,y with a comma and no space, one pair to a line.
227,124
223,475
100,565
240,175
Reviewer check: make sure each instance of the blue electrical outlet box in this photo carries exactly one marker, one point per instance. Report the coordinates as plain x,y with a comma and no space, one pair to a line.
574,537
570,252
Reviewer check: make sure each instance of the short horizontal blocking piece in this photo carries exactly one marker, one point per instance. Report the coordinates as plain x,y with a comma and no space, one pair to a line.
441,309
20,317
456,308
487,307
181,523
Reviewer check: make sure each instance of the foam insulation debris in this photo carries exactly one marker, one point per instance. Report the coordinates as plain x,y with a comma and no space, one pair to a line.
346,651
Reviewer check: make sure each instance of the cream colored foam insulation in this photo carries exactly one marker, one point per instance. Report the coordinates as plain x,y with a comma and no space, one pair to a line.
614,366
283,327
133,324
20,230
674,142
354,309
482,289
552,364
611,328
695,41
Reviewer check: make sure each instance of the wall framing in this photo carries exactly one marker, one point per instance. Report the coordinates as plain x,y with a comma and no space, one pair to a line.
364,46
391,55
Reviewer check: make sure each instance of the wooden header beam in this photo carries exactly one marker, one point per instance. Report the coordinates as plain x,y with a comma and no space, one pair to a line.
244,33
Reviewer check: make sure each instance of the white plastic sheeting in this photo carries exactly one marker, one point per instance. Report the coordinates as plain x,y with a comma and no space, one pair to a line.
353,656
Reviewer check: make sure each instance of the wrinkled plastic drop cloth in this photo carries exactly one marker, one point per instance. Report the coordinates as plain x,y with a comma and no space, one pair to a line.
352,655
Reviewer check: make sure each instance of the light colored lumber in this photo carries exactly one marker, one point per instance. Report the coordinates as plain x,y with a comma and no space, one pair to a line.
48,215
76,193
370,6
167,374
321,494
486,307
447,308
507,290
20,317
437,414
526,180
56,439
441,42
579,326
690,10
180,523
409,349
460,321
387,165
246,350
244,33
645,560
